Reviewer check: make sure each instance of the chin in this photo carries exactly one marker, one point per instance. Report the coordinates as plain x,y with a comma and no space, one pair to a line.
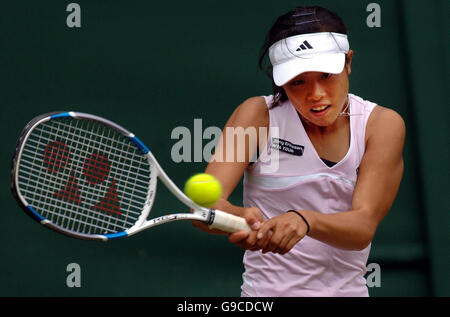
323,122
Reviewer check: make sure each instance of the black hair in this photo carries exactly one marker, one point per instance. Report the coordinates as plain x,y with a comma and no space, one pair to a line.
301,20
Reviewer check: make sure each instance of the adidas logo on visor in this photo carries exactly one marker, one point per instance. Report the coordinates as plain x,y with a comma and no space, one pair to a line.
304,46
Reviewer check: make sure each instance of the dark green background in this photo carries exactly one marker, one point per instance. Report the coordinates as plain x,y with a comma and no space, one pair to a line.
153,66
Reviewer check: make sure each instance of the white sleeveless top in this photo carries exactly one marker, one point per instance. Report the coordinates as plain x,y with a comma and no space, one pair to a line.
289,174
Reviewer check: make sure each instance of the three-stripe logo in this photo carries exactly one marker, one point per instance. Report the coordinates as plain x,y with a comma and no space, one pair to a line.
304,46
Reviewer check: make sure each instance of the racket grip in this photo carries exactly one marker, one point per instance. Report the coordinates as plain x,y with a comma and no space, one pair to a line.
228,222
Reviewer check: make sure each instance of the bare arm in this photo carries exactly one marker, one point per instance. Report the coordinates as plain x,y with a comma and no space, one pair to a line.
379,178
231,158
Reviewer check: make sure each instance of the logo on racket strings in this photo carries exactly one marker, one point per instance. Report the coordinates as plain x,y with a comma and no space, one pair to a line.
96,169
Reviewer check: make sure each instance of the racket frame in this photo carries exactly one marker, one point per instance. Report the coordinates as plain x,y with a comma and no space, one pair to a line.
142,223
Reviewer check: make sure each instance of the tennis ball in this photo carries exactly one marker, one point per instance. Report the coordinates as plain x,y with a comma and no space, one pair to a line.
204,189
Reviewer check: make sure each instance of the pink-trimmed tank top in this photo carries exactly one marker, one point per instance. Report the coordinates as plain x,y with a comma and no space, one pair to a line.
289,174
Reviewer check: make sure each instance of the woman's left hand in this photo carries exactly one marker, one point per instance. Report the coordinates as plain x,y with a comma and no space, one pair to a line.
281,233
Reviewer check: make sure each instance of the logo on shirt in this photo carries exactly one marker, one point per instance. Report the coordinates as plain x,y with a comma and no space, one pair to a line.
287,147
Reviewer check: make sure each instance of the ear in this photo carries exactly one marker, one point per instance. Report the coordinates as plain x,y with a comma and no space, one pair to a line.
348,62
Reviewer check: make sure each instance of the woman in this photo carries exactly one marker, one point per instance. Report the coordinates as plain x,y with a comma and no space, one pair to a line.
338,166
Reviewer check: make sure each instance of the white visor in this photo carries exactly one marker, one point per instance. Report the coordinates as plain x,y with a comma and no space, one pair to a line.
315,52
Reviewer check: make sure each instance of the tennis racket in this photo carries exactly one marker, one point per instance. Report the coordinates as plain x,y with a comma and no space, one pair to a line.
87,177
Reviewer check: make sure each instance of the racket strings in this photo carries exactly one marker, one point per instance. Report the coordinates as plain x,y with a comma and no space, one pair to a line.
84,176
139,179
69,184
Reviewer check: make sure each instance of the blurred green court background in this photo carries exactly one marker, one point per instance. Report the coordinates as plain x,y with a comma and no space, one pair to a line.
154,66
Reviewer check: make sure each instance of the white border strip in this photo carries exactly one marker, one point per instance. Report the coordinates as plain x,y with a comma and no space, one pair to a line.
286,181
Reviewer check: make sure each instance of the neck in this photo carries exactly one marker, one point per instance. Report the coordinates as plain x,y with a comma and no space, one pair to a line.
324,130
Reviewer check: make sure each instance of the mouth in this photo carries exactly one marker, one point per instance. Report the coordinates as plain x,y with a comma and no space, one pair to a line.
319,110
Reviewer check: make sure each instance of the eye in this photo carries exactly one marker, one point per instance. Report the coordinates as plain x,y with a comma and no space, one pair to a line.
326,75
296,82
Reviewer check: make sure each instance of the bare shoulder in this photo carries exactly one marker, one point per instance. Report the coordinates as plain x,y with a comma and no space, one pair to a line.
385,123
252,112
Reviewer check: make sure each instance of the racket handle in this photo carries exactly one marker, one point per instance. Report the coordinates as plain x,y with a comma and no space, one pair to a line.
227,222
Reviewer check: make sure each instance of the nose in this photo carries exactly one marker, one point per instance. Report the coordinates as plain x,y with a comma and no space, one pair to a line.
316,91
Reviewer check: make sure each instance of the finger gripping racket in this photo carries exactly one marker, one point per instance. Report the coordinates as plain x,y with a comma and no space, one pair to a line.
87,177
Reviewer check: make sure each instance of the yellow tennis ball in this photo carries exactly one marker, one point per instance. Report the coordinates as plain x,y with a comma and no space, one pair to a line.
204,189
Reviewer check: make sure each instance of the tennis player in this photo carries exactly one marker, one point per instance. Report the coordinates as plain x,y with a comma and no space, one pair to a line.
339,166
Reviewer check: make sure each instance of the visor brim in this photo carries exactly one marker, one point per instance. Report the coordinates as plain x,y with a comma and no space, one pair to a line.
332,63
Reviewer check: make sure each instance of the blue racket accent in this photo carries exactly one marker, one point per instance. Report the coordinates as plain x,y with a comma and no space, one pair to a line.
61,115
139,144
35,213
117,235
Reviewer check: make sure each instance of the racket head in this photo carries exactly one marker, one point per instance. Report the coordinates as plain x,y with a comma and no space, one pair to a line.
83,176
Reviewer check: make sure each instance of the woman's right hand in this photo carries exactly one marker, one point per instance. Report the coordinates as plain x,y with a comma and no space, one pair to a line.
245,239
